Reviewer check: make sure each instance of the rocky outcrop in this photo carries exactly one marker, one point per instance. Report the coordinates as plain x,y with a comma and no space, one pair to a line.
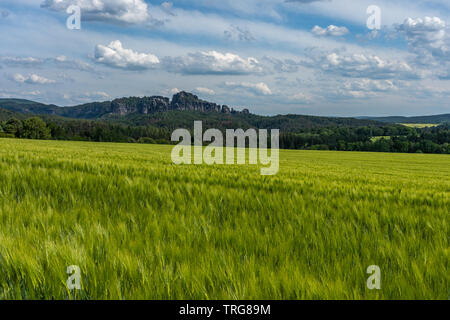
226,109
188,101
183,101
144,105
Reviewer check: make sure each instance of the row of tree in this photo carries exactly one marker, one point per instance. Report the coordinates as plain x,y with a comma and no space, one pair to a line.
384,138
379,139
32,128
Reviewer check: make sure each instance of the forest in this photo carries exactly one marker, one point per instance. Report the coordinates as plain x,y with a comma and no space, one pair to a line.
373,137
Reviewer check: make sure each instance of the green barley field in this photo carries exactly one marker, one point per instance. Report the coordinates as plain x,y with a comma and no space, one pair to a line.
140,227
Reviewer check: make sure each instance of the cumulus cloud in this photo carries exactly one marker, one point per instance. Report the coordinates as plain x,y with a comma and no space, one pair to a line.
362,88
255,88
212,62
299,98
361,66
116,56
32,93
66,63
329,31
370,85
84,97
17,93
21,61
32,62
128,11
115,11
427,37
172,91
31,79
205,91
95,95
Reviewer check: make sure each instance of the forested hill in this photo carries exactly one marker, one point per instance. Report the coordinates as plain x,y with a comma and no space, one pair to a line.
6,115
182,101
180,112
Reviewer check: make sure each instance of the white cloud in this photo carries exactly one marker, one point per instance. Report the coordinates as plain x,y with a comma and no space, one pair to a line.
212,62
97,95
86,96
20,61
66,63
31,93
205,91
363,88
428,38
255,88
115,55
31,79
370,85
299,98
168,92
359,65
174,90
119,11
32,62
330,31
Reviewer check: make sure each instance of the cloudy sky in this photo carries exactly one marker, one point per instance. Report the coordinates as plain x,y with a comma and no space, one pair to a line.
272,56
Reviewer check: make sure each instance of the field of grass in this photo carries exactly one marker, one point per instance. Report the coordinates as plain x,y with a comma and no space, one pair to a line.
420,125
140,227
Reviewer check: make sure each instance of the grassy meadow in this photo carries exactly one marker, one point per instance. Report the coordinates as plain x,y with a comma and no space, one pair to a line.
140,227
420,125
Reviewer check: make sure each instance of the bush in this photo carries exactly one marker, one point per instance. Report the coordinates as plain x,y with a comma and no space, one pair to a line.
14,127
147,140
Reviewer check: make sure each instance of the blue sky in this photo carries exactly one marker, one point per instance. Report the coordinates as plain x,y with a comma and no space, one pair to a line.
272,56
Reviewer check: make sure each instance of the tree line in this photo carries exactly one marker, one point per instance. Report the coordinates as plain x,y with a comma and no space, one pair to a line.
376,138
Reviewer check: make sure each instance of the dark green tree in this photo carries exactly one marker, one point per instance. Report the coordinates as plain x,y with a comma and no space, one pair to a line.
35,128
13,126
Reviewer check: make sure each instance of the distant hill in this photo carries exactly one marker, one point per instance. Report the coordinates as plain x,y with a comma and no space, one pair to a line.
7,114
27,106
87,111
181,111
286,123
184,108
182,101
437,119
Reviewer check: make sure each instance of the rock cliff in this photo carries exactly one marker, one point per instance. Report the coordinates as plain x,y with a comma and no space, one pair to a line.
181,101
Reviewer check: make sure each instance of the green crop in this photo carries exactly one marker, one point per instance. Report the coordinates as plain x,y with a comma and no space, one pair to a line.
140,227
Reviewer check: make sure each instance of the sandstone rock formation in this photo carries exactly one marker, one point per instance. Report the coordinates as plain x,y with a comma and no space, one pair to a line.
184,101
